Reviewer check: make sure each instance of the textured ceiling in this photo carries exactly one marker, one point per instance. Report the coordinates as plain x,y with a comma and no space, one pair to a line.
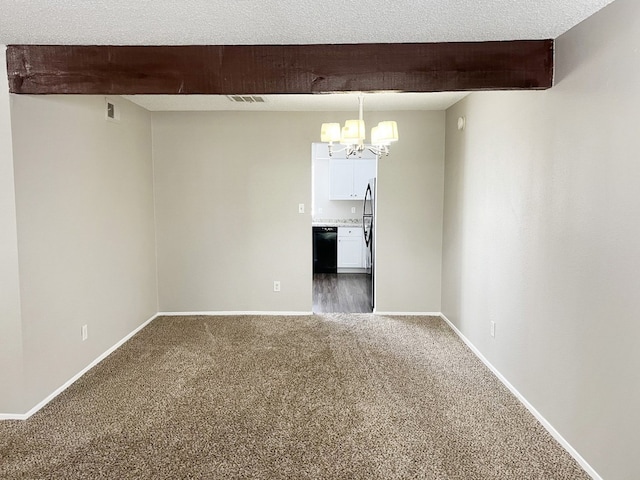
167,22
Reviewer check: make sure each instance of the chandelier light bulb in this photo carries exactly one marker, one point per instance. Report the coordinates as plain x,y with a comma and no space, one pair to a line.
353,132
330,132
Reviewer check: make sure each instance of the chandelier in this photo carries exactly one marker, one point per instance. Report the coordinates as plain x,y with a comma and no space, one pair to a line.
352,135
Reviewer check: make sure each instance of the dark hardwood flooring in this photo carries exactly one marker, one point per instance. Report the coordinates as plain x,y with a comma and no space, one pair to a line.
341,293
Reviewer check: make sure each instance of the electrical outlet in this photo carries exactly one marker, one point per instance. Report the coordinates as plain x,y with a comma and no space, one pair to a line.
85,333
301,208
493,328
353,209
276,286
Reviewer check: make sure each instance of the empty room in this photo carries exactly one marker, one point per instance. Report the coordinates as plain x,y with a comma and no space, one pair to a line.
210,268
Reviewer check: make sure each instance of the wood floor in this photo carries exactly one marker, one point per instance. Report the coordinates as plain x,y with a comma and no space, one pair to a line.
341,293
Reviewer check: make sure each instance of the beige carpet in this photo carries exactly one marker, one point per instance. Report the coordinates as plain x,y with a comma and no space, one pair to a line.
351,396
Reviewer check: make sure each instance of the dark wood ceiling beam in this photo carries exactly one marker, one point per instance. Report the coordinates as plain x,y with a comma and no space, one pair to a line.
280,69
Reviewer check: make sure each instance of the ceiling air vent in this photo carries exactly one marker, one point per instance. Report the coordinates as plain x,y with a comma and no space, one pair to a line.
245,98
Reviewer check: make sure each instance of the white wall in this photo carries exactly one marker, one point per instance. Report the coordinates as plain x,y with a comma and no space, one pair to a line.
228,185
10,322
84,197
541,236
409,215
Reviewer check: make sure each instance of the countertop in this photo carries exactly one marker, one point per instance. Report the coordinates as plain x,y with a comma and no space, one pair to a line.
336,222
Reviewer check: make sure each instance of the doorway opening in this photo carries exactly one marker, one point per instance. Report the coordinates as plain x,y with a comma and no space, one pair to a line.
342,221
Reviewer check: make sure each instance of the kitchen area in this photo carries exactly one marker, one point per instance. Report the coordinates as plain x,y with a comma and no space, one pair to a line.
343,214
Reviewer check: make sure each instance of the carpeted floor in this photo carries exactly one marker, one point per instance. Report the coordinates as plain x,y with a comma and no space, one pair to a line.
337,396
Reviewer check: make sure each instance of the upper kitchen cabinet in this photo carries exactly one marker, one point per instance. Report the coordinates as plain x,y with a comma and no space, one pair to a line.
349,177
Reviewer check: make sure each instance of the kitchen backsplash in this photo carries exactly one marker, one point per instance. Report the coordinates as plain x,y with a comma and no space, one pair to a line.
337,221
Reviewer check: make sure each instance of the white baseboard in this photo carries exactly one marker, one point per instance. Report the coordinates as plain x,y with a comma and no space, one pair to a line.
13,416
543,421
232,313
68,383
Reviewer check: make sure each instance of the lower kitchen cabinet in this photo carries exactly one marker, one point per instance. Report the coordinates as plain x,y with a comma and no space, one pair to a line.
350,247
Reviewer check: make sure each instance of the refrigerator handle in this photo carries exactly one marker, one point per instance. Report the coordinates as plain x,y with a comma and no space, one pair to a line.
367,235
367,196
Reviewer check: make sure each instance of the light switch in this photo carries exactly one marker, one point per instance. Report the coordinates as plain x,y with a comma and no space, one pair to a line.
301,208
353,209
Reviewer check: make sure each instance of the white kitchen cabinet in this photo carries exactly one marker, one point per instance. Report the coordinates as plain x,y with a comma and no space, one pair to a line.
348,178
341,179
350,247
